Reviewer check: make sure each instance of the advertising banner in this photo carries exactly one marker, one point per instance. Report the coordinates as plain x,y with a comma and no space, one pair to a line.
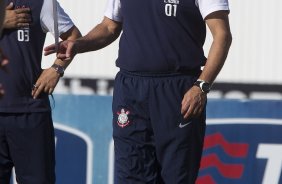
243,143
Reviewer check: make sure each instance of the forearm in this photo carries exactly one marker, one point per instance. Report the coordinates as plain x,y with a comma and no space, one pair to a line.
216,57
218,24
99,37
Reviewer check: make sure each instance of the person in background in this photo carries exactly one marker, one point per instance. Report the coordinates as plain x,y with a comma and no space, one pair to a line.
3,59
26,127
2,14
160,92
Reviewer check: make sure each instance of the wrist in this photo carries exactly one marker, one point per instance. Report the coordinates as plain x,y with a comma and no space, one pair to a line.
59,69
203,85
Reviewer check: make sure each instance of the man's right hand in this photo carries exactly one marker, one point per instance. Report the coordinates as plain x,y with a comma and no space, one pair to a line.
16,18
66,50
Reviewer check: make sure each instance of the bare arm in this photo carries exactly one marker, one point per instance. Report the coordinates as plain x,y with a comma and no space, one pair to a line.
49,77
99,37
194,100
70,35
218,24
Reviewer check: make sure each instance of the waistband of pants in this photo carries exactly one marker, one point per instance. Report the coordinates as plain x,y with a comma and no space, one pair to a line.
195,72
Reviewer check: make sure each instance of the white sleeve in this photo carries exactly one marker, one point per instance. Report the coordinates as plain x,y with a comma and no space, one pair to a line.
113,10
47,18
208,6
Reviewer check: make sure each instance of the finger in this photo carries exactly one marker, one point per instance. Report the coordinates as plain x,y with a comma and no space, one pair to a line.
50,91
24,17
34,88
46,89
196,112
23,11
20,25
51,49
188,113
69,51
62,57
38,91
184,110
10,6
46,53
184,106
200,110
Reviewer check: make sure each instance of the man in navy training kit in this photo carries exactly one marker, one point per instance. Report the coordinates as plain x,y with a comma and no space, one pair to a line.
160,91
26,127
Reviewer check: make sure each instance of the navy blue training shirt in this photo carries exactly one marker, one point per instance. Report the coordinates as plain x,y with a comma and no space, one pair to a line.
23,47
161,36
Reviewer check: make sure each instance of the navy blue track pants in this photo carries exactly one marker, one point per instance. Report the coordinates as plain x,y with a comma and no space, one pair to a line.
27,142
153,143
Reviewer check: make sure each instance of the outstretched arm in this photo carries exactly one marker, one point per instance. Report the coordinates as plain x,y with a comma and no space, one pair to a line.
99,37
194,100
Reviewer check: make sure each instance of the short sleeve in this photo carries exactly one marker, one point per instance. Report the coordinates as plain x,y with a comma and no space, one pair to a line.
208,6
113,10
47,18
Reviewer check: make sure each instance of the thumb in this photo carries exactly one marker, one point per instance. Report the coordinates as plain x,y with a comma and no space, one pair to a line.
10,6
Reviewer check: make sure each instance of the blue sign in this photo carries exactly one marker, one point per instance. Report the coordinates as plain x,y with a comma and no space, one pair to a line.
243,143
242,150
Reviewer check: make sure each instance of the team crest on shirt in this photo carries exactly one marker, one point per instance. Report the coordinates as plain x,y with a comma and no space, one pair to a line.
123,120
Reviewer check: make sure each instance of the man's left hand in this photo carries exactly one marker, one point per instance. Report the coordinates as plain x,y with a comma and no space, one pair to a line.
46,82
193,103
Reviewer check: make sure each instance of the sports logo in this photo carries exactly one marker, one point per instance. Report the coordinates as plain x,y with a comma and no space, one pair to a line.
123,118
182,125
236,152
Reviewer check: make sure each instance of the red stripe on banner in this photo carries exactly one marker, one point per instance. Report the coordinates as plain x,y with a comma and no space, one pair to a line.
205,180
232,149
227,170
